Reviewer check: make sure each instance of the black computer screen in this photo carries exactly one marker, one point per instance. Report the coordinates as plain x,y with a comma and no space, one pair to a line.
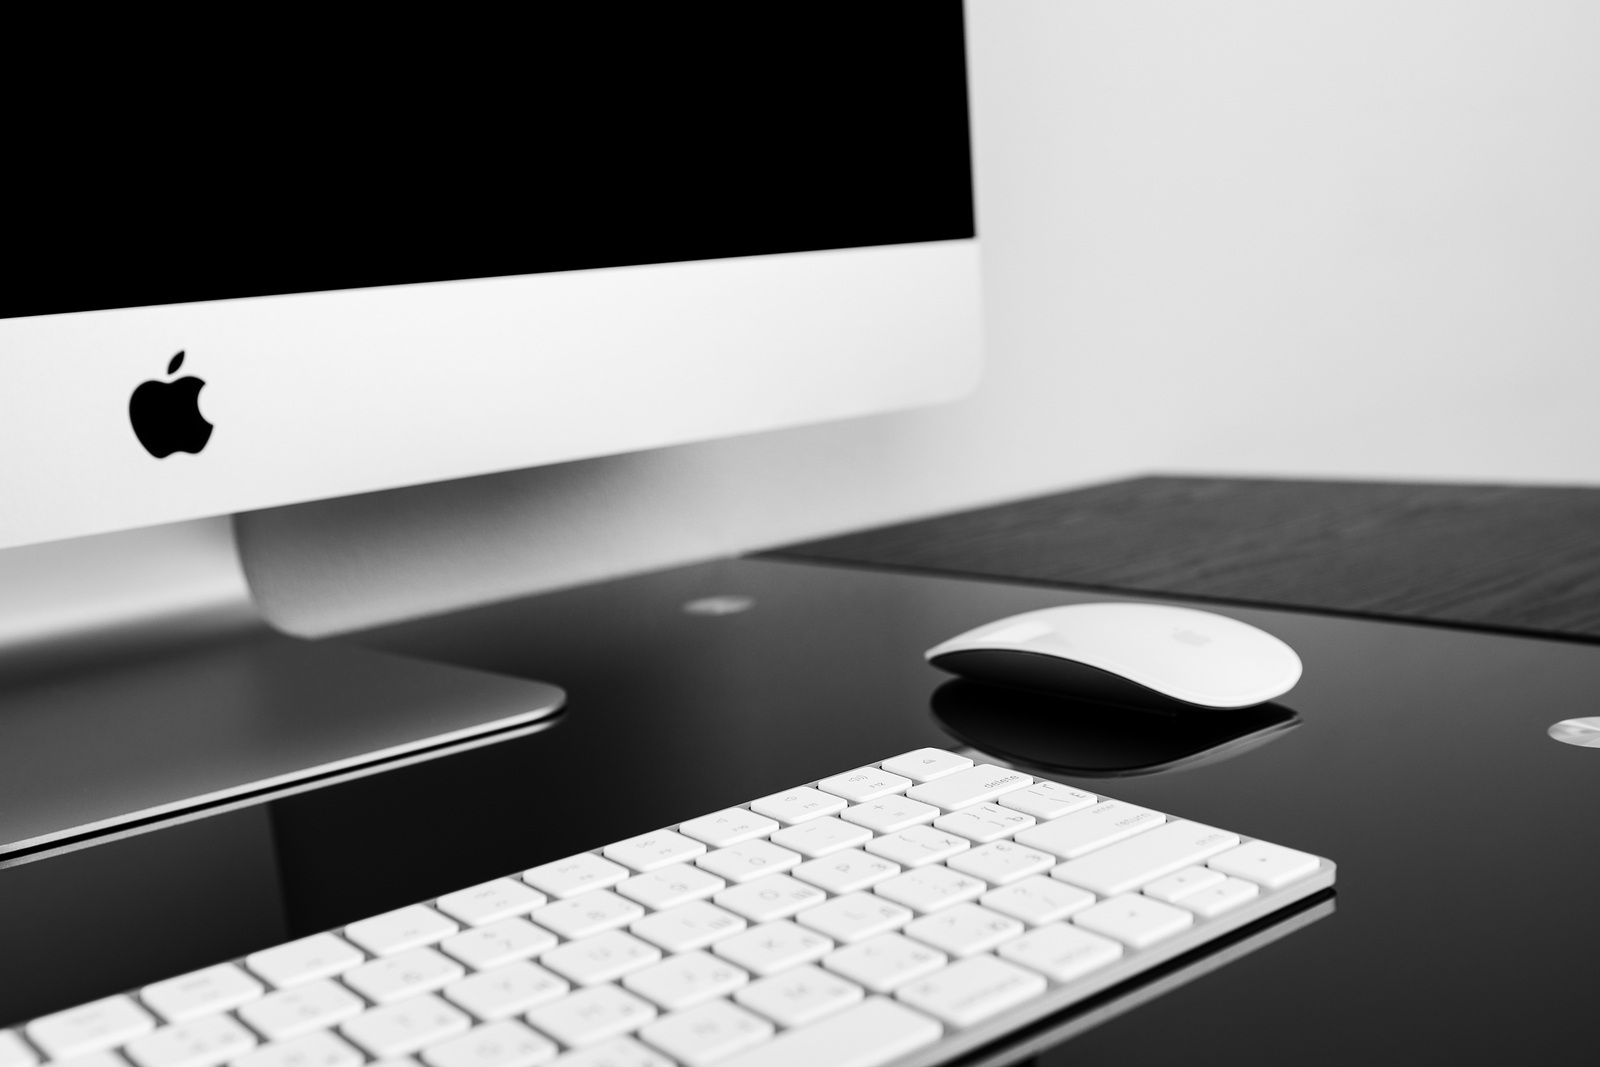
613,135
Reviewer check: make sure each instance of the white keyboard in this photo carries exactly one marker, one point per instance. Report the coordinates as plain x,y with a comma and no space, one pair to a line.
901,913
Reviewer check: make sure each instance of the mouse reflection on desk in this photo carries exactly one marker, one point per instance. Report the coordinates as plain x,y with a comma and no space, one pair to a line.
1084,739
1149,656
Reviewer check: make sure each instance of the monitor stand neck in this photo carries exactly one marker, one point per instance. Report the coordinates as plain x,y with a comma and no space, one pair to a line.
139,684
71,603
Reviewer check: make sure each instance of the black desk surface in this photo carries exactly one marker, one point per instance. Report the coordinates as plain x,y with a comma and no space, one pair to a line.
1464,923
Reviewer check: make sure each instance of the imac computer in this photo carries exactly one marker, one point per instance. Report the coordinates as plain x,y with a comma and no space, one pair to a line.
426,255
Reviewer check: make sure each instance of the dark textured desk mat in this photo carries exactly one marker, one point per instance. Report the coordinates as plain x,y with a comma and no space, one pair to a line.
1500,557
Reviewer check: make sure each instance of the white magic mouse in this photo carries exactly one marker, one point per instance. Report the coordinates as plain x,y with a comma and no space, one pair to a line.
1143,655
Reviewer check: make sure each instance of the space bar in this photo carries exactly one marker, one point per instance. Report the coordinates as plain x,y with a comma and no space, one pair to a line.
873,1032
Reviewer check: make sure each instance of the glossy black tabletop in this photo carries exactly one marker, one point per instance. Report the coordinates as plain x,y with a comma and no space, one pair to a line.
1417,758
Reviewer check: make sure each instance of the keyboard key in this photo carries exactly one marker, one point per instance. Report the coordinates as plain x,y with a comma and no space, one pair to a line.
864,783
1000,862
799,996
1214,900
1047,800
972,990
889,814
847,871
683,981
604,957
402,1028
490,902
797,805
926,764
688,926
506,991
855,916
1061,952
92,1027
929,889
1037,900
740,863
669,886
773,947
421,970
885,962
204,1042
730,826
500,1044
872,1033
819,837
397,1061
305,960
292,1012
587,914
14,1052
647,852
618,1052
1127,865
401,929
917,846
1270,865
591,1015
984,822
964,929
1179,884
483,947
1134,920
777,896
1083,831
316,1049
214,989
971,786
709,1032
575,874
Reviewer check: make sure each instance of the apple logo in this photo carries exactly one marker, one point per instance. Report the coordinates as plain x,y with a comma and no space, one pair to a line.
1190,637
166,415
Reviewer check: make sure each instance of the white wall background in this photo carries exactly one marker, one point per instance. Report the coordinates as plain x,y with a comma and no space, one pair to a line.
1355,239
